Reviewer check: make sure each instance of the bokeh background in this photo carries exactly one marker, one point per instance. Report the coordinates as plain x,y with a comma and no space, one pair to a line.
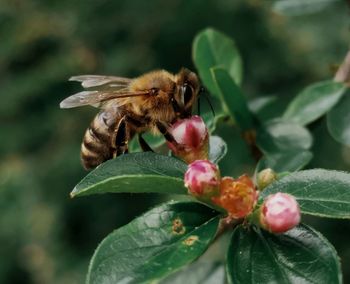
46,237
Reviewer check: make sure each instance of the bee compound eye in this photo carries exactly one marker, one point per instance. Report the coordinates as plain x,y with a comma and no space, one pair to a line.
188,94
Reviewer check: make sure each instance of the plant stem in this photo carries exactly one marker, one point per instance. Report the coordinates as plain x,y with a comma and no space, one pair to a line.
249,137
225,224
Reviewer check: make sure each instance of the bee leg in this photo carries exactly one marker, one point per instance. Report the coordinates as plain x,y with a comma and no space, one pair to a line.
121,137
144,145
164,130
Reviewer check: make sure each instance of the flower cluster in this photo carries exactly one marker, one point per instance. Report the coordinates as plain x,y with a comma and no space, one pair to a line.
238,197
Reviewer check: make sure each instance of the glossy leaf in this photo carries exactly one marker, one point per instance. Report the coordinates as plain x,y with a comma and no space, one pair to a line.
217,149
278,136
154,245
267,107
301,7
301,255
314,101
210,116
203,272
258,104
290,161
319,192
263,107
338,121
232,98
212,48
238,158
212,121
138,172
154,141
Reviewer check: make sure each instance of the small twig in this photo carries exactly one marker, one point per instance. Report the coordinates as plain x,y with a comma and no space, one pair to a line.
225,224
249,137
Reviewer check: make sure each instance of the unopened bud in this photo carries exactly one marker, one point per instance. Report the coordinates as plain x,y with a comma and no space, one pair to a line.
265,178
279,213
237,196
191,139
202,179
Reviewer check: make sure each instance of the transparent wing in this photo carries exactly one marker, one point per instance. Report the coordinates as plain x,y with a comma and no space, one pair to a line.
100,89
89,81
98,98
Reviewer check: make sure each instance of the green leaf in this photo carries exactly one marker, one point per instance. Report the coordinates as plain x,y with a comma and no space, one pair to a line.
203,272
212,48
138,172
232,98
314,101
301,255
217,149
211,121
154,141
154,245
207,114
290,161
301,7
338,121
267,107
258,104
319,192
277,136
238,155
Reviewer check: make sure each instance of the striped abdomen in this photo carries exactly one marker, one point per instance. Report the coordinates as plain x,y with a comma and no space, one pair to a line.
97,142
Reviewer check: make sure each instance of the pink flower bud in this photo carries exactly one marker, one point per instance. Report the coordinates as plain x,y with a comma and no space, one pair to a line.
279,213
191,139
265,178
237,196
202,179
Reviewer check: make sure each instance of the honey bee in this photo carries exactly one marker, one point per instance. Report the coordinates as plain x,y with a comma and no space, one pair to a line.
150,102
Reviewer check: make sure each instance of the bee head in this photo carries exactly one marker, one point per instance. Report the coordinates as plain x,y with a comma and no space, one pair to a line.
186,92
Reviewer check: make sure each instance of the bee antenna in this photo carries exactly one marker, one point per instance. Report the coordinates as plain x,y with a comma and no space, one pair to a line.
199,106
208,100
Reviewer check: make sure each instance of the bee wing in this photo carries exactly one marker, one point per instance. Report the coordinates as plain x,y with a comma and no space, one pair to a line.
88,81
100,98
100,89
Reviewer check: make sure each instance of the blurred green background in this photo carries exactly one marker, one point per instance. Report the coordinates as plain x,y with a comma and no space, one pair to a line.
45,237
